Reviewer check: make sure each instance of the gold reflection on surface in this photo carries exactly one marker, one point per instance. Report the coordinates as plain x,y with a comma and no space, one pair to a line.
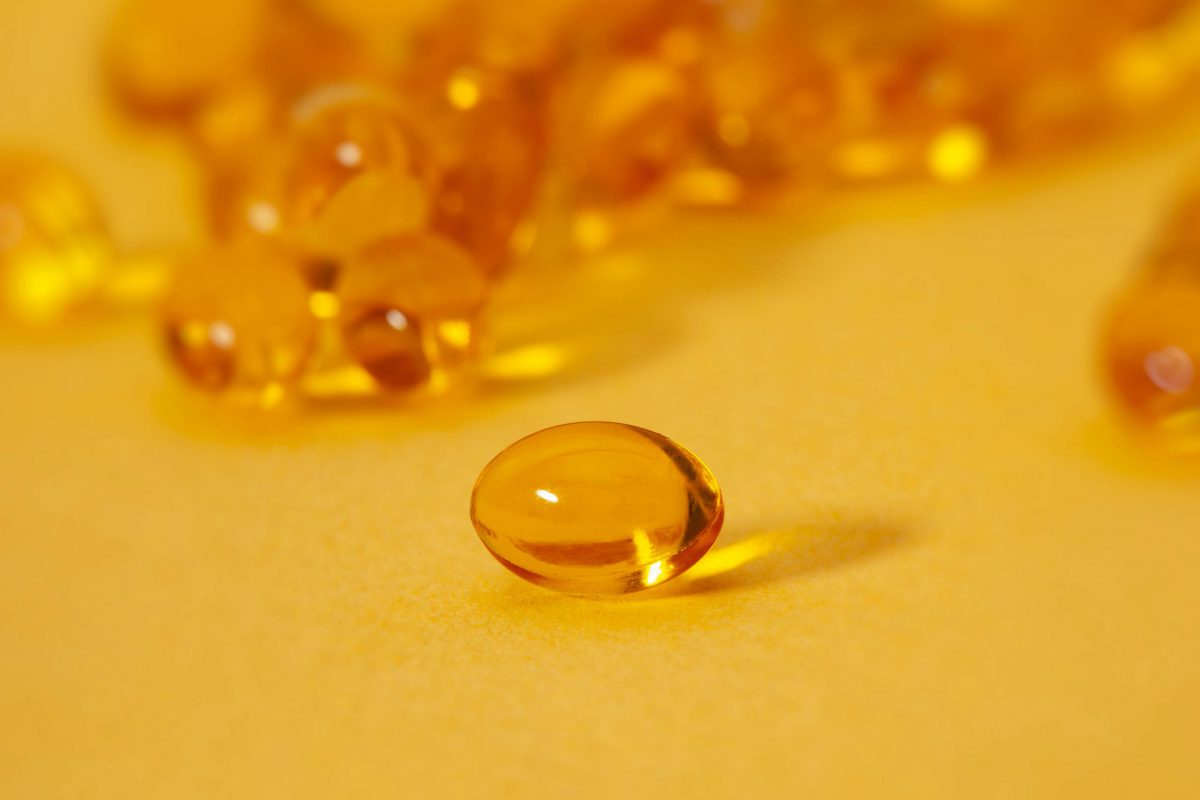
138,280
958,154
346,382
780,554
1180,433
524,363
739,554
324,305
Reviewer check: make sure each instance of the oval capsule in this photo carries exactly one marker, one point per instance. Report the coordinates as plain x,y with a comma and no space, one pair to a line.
597,508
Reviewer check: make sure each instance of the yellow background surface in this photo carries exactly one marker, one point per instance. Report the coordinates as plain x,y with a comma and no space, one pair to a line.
945,569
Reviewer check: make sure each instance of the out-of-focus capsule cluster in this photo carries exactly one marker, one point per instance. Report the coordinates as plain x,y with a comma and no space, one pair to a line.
368,209
375,167
1152,338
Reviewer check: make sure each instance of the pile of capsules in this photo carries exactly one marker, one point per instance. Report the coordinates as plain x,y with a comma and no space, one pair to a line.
375,167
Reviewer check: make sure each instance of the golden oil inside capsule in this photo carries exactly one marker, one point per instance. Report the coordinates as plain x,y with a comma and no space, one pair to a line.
597,508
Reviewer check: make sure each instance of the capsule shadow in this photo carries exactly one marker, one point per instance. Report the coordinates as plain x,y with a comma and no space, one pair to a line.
777,555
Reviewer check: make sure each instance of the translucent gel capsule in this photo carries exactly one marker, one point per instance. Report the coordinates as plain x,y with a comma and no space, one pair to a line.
299,50
597,508
165,54
408,310
492,153
1153,357
358,172
767,108
767,118
247,197
227,126
294,53
527,38
908,113
351,170
624,125
237,322
55,253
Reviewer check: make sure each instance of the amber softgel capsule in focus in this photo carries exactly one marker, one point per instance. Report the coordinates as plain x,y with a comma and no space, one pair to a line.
597,508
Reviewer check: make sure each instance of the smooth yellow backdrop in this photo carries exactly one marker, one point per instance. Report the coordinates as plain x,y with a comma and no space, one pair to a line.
945,570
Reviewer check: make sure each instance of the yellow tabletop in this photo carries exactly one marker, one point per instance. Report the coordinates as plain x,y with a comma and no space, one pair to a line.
945,571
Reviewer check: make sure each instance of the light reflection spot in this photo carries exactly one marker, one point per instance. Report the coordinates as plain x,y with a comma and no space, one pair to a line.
463,91
221,334
349,155
1171,369
263,217
396,319
958,153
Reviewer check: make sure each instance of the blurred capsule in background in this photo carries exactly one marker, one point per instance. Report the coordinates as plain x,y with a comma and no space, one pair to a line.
1151,339
55,251
624,124
1152,355
529,39
770,113
409,308
237,322
352,168
226,72
232,122
491,151
410,153
166,55
358,170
